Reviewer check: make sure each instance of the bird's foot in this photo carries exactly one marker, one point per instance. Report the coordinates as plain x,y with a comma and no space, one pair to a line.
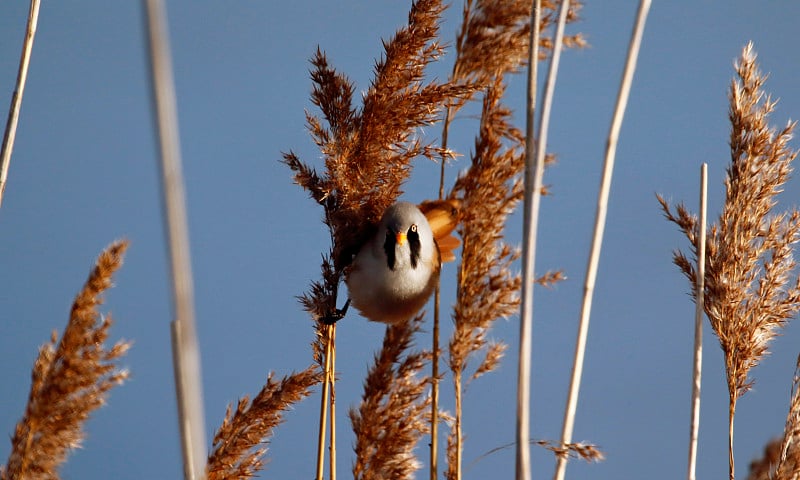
336,315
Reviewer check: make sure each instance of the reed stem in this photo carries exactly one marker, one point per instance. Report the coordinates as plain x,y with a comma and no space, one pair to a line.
534,172
434,447
323,413
16,99
697,369
185,349
332,379
459,442
597,237
731,416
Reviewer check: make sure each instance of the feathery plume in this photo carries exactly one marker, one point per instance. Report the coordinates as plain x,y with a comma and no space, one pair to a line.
368,150
494,36
71,378
392,417
487,290
490,190
749,290
788,465
781,460
238,448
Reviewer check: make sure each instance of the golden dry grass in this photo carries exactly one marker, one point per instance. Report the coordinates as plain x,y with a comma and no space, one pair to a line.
368,149
781,457
751,286
490,190
368,153
240,442
392,416
71,378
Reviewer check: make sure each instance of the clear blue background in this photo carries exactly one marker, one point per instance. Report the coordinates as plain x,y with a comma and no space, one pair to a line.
84,173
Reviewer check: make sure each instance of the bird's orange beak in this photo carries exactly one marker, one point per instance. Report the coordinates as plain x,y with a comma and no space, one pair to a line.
401,238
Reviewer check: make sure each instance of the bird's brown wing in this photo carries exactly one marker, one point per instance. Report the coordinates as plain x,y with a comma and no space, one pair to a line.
443,216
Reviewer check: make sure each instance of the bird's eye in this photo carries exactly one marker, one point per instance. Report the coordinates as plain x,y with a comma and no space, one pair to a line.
414,245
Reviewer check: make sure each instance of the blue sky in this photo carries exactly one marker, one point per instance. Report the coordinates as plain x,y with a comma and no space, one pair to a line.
84,173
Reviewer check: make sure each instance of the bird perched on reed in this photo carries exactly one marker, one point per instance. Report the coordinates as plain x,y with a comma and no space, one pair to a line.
395,271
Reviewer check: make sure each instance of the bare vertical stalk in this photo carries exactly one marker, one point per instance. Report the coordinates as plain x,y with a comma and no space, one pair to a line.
437,295
332,380
16,99
323,414
434,448
599,227
459,437
698,325
185,350
534,172
731,415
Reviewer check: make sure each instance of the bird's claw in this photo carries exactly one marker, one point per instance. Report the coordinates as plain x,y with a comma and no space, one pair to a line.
336,315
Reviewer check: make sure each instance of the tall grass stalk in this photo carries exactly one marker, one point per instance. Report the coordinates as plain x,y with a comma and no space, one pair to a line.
434,446
697,367
16,99
323,412
752,286
331,377
534,173
599,227
185,350
71,378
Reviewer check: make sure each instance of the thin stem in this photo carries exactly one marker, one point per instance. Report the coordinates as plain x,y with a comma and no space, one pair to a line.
434,450
445,133
434,446
186,353
459,445
731,415
332,380
697,370
16,99
534,172
323,409
599,227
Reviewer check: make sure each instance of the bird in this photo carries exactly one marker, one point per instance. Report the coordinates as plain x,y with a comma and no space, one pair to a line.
396,270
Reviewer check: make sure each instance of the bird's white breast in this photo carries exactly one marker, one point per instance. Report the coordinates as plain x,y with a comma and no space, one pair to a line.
387,295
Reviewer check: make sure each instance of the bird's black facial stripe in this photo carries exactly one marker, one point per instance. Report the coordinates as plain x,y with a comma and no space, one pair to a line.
388,247
414,244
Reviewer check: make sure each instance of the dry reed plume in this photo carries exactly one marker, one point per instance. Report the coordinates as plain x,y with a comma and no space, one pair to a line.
788,465
749,289
238,444
368,150
490,190
487,288
494,35
781,460
764,468
492,186
368,153
492,41
392,416
70,379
